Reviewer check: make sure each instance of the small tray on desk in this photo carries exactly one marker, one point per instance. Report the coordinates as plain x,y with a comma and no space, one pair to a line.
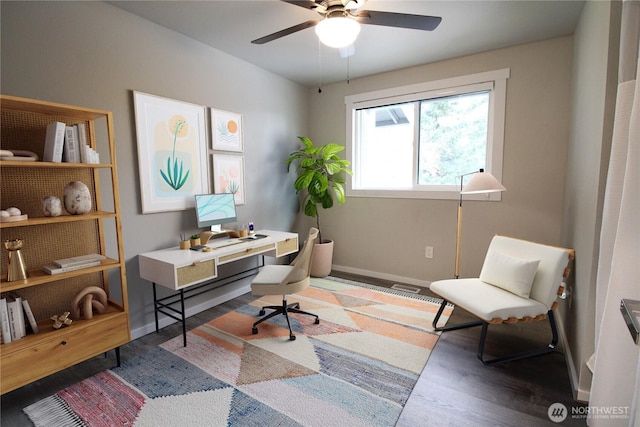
254,237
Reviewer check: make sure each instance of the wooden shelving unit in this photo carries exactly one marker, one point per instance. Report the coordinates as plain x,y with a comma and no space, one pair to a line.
23,185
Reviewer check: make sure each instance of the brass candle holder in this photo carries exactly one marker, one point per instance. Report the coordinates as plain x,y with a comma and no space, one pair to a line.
15,268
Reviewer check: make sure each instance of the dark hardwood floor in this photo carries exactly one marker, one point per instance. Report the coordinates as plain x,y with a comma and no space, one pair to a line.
455,388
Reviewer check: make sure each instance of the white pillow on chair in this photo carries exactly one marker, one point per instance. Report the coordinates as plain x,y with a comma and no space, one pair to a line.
509,273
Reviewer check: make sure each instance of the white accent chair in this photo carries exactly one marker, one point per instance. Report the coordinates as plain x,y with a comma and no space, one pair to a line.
285,280
519,282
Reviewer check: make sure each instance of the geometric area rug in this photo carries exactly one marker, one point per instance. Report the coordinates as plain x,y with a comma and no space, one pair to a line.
356,368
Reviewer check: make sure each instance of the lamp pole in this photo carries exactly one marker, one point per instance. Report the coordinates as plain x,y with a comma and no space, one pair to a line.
459,229
482,182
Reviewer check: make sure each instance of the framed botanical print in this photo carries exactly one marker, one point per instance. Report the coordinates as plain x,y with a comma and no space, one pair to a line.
172,152
228,176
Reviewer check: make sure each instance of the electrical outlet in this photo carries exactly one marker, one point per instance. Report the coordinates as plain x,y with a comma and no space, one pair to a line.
428,252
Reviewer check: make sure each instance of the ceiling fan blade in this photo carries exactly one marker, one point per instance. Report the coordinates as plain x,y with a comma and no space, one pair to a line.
399,20
286,32
307,4
353,4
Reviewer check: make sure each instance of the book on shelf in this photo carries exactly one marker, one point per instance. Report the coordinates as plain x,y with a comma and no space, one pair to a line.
54,142
71,151
81,260
82,143
30,317
4,320
55,269
17,325
92,156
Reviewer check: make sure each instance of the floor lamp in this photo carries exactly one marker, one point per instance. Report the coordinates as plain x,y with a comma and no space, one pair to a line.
480,182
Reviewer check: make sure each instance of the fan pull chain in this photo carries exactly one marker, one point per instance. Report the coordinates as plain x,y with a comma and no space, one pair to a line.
319,67
348,68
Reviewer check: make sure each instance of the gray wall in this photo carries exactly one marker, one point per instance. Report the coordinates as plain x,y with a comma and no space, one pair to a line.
594,91
94,55
387,237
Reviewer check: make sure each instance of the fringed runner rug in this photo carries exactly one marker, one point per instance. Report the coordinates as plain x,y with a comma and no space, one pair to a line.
356,368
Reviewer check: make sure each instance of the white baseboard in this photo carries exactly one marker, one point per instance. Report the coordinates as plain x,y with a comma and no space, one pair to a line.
383,276
579,395
230,292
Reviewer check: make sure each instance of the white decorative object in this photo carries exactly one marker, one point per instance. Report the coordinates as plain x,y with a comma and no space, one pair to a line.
14,211
77,199
12,214
51,206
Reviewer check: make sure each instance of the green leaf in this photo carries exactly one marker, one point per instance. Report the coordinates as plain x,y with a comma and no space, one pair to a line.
165,178
306,141
327,200
339,191
333,168
175,171
303,181
169,171
308,162
310,209
184,180
330,150
319,184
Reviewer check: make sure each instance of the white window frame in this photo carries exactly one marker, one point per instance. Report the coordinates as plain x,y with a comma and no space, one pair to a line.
495,80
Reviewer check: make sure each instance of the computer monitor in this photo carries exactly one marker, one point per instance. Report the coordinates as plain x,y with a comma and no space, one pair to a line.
214,210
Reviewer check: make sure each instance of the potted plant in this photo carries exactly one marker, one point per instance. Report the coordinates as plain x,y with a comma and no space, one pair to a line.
320,177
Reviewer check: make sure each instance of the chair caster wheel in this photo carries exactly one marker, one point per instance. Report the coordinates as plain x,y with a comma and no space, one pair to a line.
317,322
254,330
292,337
262,312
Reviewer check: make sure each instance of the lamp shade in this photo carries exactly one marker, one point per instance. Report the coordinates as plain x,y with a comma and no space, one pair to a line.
337,31
482,182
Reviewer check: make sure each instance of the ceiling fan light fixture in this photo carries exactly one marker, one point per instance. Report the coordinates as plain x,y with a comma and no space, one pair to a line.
337,31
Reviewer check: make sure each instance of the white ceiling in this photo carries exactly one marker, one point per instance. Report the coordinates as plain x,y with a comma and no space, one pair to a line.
467,27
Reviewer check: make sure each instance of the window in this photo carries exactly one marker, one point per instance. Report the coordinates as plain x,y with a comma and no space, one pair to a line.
416,141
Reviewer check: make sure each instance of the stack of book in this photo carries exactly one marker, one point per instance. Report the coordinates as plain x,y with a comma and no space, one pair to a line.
13,310
68,144
73,263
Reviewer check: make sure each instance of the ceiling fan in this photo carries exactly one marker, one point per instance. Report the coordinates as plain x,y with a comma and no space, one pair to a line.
339,25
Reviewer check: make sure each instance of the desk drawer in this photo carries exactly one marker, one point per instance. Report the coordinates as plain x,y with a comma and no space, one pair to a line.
287,247
248,252
196,272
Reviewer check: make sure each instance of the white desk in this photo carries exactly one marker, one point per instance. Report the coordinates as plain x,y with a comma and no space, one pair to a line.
185,270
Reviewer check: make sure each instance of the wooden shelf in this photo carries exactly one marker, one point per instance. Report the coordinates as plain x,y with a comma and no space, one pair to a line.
23,184
39,277
58,219
62,165
48,331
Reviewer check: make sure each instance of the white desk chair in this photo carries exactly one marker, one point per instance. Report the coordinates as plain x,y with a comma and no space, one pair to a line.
519,282
285,280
